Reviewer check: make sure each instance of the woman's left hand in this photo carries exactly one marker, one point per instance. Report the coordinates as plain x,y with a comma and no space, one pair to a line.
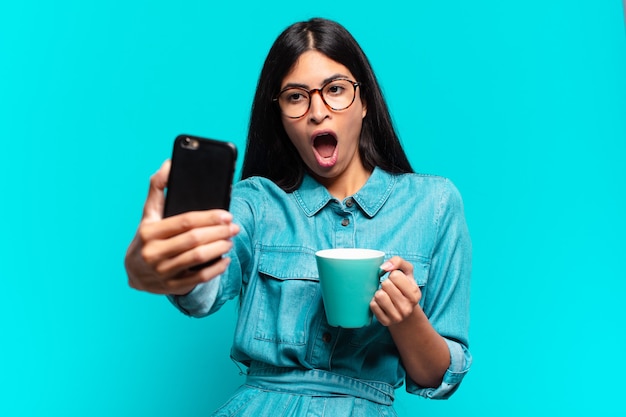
399,294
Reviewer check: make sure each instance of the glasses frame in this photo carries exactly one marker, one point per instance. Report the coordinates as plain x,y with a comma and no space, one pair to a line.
319,91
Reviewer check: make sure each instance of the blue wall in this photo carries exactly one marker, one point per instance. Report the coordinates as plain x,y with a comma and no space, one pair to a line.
521,104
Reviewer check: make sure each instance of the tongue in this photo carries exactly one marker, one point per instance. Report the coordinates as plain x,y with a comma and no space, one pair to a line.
325,145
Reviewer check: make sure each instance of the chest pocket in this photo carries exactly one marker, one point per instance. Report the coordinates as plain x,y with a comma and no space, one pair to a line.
288,294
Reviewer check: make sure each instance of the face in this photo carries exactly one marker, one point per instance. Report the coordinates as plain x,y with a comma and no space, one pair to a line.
327,140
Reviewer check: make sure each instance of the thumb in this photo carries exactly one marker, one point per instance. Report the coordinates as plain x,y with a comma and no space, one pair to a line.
155,202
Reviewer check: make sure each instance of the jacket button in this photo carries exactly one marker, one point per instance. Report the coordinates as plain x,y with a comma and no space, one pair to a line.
349,202
326,337
345,222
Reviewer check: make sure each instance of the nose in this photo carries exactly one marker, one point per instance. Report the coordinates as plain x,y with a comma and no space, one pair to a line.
318,110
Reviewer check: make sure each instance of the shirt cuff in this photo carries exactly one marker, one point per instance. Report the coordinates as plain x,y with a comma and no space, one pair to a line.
460,362
199,301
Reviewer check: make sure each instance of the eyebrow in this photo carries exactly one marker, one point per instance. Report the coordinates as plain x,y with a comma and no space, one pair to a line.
306,86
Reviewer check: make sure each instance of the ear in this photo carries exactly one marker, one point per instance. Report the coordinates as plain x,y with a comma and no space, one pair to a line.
364,111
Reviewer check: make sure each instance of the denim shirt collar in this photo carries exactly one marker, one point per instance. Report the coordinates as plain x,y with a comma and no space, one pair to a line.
312,196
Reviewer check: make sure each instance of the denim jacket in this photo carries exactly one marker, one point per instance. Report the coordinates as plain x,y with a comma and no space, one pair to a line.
282,323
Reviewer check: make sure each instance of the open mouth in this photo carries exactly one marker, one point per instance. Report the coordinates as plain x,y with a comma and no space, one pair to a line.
325,145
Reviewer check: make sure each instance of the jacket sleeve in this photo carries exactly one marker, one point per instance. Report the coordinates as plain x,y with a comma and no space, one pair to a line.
445,297
207,298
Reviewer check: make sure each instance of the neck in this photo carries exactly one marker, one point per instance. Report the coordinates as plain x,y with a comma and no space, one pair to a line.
345,185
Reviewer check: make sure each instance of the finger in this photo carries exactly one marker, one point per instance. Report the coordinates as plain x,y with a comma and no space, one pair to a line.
181,223
195,238
153,207
386,305
402,295
402,303
402,273
381,316
392,290
178,265
171,256
188,282
406,286
397,263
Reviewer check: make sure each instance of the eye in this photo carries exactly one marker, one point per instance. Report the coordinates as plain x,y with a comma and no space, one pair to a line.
336,88
294,96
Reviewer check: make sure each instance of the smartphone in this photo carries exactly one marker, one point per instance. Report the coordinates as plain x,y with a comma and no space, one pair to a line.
201,176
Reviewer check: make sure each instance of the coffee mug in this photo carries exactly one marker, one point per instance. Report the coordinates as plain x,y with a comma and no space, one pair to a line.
349,277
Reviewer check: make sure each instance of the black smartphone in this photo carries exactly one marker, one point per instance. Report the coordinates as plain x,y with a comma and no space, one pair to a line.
201,176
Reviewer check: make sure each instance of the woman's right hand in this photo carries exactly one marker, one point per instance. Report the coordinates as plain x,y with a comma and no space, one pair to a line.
159,258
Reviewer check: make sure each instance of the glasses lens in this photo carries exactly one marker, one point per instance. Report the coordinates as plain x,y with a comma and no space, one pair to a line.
338,94
294,102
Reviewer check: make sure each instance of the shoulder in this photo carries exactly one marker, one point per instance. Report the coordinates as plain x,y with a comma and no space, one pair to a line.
255,185
258,192
429,187
437,197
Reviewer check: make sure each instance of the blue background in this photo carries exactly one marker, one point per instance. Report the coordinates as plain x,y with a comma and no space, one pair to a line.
521,104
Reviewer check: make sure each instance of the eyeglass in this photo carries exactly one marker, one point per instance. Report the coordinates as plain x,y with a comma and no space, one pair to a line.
337,95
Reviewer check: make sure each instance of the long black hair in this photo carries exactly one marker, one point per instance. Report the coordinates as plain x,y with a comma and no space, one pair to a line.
270,153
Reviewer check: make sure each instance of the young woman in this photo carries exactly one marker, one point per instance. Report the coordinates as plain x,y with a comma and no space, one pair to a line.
323,168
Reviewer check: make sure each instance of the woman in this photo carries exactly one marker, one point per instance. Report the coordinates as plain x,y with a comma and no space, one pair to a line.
323,168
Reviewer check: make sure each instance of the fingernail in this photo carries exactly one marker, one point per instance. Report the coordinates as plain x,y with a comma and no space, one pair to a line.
386,265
